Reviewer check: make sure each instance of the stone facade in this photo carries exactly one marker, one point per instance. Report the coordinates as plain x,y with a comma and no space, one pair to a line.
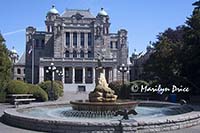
73,41
19,69
137,64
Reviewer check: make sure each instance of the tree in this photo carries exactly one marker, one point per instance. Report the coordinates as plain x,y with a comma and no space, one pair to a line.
164,65
176,59
5,65
191,50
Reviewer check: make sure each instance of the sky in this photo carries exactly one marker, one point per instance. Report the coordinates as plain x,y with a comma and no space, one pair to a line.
143,19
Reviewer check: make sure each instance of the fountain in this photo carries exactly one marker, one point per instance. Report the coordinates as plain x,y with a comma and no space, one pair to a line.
100,114
103,99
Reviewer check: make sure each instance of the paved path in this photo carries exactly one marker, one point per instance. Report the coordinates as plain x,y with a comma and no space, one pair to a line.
67,97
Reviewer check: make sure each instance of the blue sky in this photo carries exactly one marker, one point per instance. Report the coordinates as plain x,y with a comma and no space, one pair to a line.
144,19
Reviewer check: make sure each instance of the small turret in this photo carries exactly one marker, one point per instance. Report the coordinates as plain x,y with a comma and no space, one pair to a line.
51,16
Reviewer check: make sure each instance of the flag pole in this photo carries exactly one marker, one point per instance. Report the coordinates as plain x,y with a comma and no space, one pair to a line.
33,61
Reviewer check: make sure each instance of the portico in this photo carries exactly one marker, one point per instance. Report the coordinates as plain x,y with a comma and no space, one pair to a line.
79,75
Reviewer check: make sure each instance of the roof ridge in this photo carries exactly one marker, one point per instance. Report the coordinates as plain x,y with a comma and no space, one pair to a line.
88,10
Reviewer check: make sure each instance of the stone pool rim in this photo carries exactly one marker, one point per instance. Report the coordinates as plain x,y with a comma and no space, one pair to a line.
165,123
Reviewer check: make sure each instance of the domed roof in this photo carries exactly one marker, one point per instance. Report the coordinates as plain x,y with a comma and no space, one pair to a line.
53,10
13,50
103,12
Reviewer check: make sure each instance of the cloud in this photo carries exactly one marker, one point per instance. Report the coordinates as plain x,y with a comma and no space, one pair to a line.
17,31
13,32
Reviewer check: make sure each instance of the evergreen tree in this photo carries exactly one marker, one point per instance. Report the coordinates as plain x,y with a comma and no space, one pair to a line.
176,59
191,50
164,66
5,65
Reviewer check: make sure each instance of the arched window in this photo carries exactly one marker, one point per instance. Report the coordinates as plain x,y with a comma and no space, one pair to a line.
66,53
18,71
82,54
74,54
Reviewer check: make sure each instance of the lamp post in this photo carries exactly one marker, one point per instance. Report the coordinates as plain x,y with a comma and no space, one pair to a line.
51,69
123,69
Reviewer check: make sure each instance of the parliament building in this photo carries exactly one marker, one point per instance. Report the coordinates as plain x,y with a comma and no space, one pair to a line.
74,42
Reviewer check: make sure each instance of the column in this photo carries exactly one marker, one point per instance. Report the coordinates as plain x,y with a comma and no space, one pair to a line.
83,75
114,74
85,40
41,73
94,75
63,75
71,44
110,75
78,40
73,75
71,39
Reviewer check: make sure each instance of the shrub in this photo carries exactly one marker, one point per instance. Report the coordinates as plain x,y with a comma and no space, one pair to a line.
57,89
17,87
60,85
116,86
119,89
37,92
2,96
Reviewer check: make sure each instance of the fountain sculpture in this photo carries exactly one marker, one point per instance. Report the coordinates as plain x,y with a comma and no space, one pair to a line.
103,98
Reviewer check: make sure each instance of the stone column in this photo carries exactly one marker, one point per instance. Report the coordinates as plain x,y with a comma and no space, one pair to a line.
94,75
83,75
110,75
71,39
85,40
71,44
63,75
114,74
78,40
73,75
41,74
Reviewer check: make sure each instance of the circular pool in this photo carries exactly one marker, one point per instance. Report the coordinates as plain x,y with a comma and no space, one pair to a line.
60,117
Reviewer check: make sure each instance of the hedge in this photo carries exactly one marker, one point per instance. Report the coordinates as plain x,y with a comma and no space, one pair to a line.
19,87
37,92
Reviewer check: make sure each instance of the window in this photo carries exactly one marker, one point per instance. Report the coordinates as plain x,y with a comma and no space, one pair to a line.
42,44
89,39
67,39
82,54
78,75
82,39
67,72
116,45
89,73
75,39
90,55
66,53
111,44
36,43
74,54
68,75
18,71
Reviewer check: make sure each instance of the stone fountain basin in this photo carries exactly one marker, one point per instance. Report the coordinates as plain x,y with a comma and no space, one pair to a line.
103,106
15,118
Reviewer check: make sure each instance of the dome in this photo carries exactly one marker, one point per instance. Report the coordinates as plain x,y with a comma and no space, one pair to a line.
53,10
13,50
103,12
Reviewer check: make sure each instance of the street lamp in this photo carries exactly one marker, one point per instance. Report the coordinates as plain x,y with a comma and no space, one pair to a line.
51,69
123,69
